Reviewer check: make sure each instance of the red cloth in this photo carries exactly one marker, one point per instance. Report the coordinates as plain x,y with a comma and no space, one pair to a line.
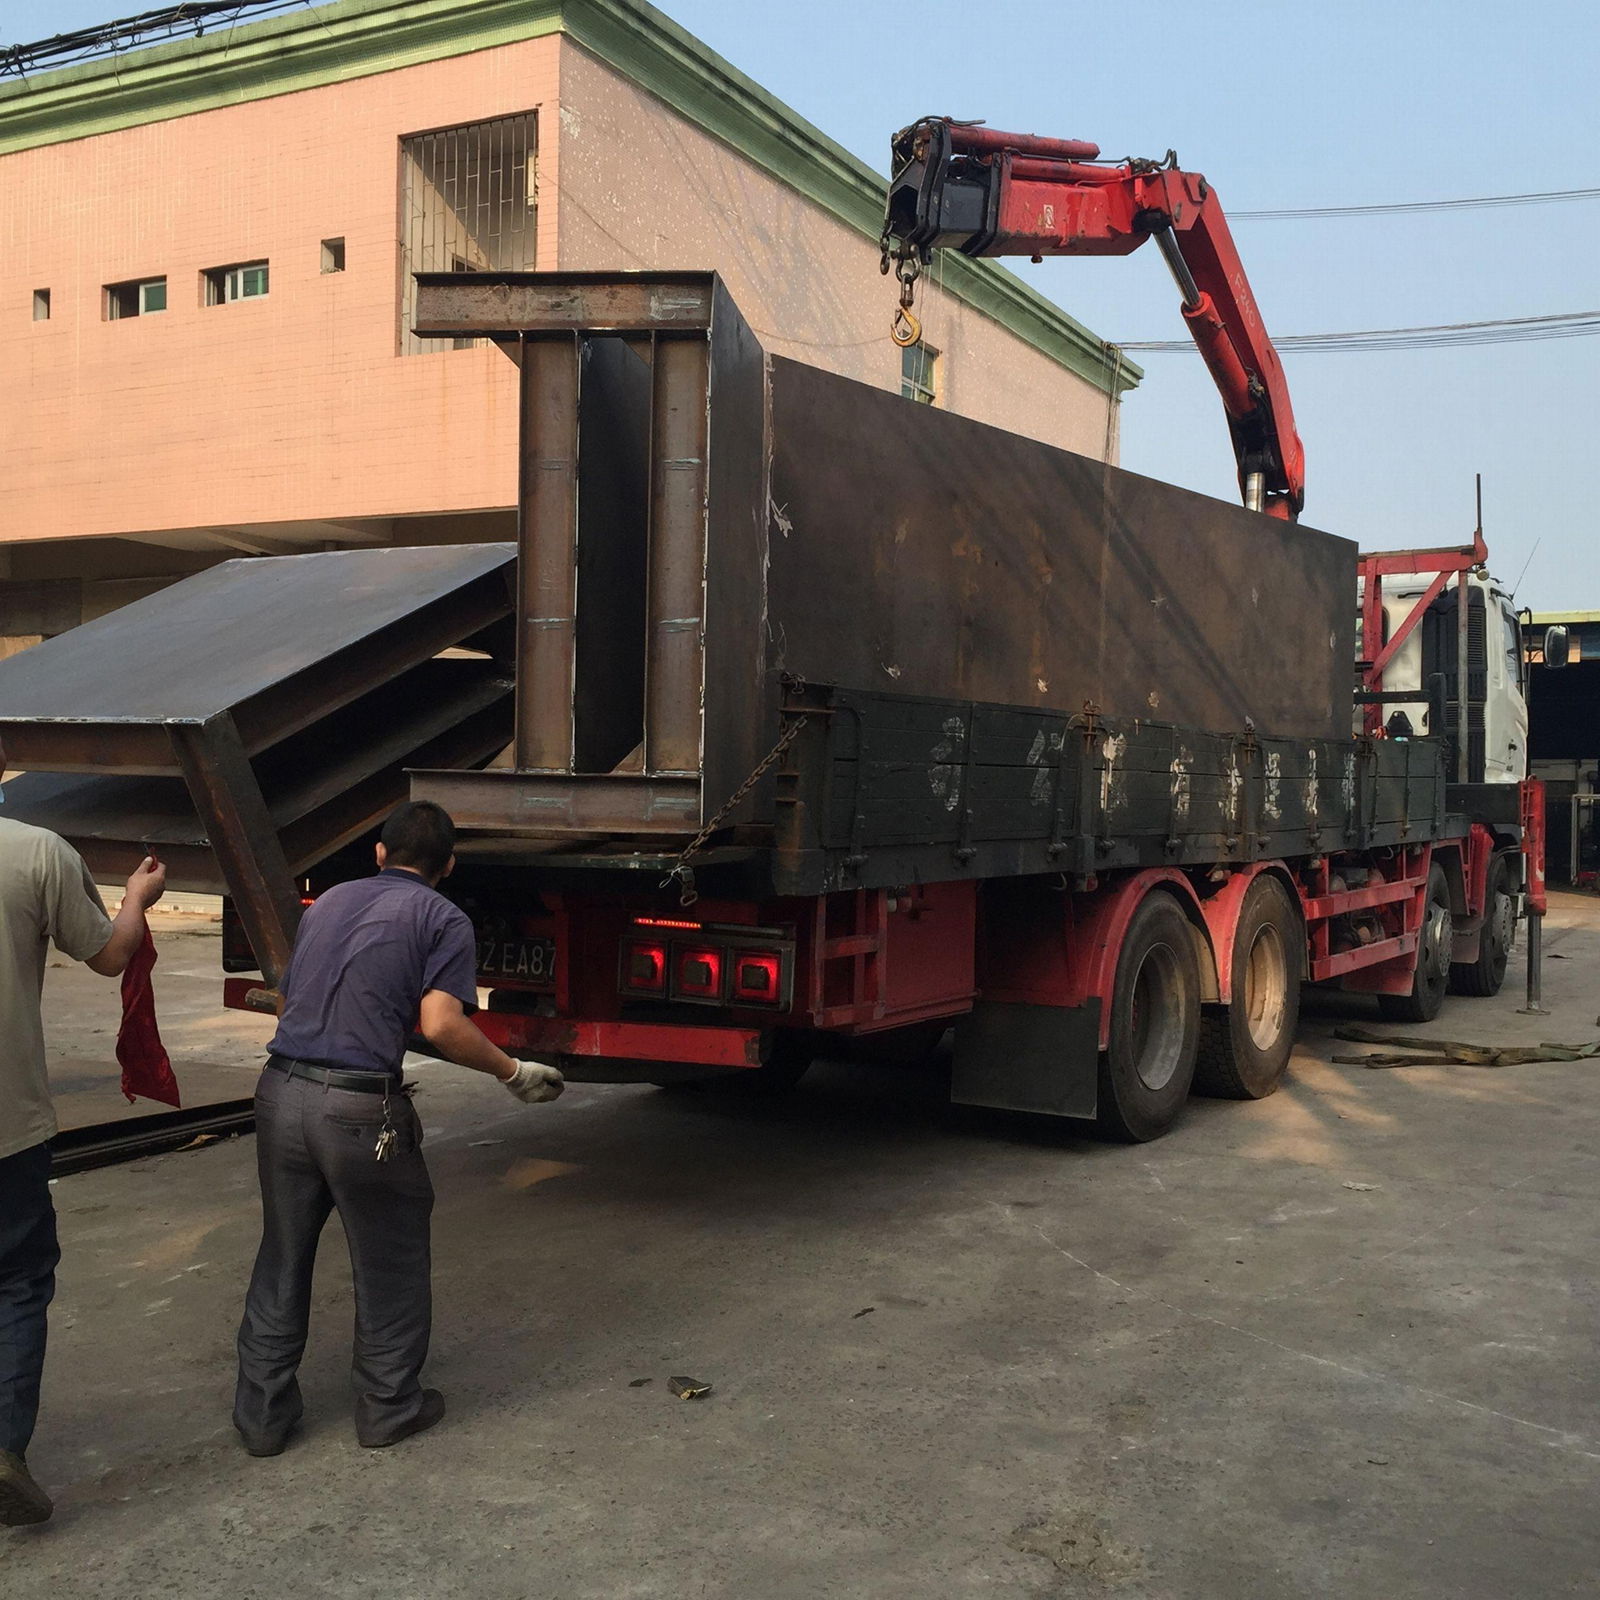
146,1067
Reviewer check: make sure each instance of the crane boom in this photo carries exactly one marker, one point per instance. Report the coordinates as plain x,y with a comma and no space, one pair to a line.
987,193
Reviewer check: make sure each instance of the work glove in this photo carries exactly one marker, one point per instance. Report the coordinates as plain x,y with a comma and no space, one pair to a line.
533,1082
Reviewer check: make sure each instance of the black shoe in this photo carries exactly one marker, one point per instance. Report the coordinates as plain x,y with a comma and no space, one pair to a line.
428,1413
268,1444
22,1501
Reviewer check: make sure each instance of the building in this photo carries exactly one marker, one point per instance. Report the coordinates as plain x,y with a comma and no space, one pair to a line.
205,282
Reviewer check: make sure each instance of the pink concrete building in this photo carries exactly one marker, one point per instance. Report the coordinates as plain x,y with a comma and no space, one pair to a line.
204,283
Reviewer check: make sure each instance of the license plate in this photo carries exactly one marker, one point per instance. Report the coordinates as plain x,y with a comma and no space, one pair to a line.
528,960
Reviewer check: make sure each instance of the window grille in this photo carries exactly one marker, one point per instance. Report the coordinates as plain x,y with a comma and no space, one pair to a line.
468,202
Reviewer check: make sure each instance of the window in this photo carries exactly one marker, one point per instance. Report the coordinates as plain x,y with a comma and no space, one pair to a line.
333,255
137,298
1513,646
468,202
247,281
41,305
919,368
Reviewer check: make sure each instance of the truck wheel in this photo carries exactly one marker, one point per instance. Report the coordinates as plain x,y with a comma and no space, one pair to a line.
1155,1025
1484,976
1245,1047
1432,976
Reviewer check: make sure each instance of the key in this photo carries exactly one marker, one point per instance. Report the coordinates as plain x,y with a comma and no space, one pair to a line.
384,1145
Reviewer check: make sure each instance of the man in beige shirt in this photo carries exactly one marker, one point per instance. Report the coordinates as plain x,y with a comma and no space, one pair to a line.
46,894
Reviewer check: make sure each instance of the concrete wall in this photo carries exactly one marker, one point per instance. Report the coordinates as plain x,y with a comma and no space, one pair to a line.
642,187
297,408
292,406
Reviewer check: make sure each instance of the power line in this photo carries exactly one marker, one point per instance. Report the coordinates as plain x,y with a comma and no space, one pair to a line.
133,33
1474,203
1436,336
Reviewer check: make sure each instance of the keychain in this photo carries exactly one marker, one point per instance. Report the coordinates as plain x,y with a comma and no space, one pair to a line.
386,1136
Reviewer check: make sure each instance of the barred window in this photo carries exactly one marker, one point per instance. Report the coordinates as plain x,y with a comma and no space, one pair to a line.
468,202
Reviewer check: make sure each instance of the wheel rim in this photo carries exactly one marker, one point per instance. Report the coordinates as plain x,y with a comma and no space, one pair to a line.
1436,943
1502,928
1266,987
1158,1017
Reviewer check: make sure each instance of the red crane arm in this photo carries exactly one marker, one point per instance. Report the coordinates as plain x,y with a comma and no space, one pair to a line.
988,193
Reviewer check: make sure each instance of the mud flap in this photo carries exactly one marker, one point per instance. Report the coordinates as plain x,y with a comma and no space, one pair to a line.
1043,1059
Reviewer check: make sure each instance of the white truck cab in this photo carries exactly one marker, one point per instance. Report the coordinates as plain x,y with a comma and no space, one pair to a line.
1497,674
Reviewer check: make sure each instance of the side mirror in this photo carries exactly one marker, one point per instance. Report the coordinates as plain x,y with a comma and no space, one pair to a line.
1556,646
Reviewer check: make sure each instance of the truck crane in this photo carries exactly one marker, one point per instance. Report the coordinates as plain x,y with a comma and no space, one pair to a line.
1444,663
963,186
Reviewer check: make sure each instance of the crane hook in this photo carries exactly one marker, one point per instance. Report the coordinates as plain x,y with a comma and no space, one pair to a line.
906,328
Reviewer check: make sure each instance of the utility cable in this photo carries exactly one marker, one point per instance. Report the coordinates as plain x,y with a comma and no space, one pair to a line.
1405,207
1435,336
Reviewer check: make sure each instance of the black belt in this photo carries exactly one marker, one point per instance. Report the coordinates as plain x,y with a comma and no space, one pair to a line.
361,1082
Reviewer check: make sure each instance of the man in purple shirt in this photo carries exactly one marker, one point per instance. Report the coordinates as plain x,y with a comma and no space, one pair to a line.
336,1130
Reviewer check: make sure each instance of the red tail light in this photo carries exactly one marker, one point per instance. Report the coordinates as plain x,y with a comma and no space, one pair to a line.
644,967
757,977
711,965
697,972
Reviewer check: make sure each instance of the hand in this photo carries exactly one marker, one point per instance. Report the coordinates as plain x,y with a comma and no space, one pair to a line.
148,883
533,1082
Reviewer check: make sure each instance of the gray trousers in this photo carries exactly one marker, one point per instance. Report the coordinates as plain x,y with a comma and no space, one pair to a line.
314,1153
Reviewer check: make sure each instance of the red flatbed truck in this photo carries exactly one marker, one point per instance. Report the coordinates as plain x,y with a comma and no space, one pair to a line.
1110,907
828,716
1192,879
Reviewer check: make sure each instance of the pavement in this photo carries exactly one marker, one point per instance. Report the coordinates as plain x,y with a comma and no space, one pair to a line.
1339,1342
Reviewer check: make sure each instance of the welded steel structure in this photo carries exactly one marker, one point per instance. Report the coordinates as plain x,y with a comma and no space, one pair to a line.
249,721
702,523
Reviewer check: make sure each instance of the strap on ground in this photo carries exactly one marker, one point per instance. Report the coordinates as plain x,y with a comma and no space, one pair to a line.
1454,1053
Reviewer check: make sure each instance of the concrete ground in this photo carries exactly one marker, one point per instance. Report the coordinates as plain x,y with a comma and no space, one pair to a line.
1340,1342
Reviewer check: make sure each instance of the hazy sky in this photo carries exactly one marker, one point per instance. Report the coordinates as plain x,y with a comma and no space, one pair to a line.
1341,102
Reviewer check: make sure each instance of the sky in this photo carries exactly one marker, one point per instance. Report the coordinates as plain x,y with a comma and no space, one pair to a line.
1338,102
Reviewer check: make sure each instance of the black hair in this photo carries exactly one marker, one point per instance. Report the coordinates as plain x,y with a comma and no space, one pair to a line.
419,834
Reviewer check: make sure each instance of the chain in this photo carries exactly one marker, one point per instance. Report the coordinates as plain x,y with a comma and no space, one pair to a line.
682,873
906,328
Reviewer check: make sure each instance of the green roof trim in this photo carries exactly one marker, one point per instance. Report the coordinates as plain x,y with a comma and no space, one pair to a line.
346,39
255,60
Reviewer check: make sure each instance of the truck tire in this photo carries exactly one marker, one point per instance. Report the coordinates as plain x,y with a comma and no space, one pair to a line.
1155,1025
1432,976
1245,1047
1484,976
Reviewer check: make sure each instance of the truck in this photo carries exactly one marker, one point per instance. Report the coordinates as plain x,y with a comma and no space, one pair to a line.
804,717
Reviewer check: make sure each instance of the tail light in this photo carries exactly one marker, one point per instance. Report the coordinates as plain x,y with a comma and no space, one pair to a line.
696,964
757,977
697,972
644,968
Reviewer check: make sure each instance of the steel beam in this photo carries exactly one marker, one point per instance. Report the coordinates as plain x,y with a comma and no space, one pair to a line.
547,536
554,804
675,622
475,305
296,703
129,749
228,799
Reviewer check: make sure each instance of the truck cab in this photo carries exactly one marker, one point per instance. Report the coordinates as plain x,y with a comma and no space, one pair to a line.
1497,683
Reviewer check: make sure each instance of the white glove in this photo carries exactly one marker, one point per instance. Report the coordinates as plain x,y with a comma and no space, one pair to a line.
533,1082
